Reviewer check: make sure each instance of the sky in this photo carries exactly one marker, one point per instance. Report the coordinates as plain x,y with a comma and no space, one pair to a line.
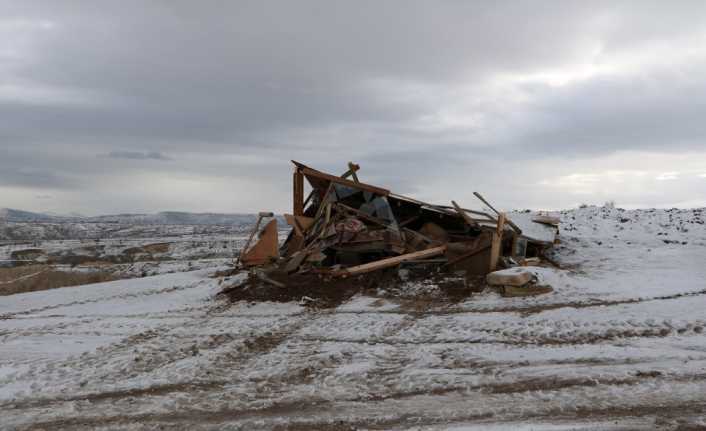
144,106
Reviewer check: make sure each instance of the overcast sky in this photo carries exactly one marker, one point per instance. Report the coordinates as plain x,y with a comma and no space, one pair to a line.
142,106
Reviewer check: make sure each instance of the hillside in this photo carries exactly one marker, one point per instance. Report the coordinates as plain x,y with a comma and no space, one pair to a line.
16,225
163,218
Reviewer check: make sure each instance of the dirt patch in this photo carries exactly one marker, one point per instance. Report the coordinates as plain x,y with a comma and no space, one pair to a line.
310,289
161,247
33,278
316,291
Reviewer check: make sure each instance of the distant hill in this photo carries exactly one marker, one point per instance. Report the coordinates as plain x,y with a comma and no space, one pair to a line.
9,214
161,218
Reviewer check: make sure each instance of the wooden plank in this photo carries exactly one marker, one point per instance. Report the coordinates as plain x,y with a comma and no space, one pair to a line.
309,172
292,221
298,181
463,214
265,249
546,219
497,243
390,262
513,225
247,243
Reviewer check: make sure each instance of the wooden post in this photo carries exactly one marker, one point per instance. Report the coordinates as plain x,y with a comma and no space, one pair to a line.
497,243
298,181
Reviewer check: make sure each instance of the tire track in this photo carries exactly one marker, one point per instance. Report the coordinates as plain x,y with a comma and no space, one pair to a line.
313,408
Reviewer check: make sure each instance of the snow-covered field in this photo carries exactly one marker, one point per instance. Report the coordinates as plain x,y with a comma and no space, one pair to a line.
619,344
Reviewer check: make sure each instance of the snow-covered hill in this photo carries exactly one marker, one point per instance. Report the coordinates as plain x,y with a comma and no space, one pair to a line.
165,218
18,225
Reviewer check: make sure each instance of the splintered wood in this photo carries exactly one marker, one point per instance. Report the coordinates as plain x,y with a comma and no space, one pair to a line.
346,227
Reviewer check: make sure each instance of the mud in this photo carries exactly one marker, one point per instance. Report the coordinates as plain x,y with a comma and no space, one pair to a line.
311,289
317,291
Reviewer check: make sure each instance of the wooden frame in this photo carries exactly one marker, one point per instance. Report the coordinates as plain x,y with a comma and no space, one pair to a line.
309,172
298,182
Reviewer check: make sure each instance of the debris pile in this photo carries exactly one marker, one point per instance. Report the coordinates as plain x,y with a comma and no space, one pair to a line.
346,228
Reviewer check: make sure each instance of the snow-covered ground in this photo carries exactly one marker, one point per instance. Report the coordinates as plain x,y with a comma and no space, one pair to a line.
619,344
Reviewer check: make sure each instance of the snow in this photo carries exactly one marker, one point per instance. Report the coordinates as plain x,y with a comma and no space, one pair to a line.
619,344
531,229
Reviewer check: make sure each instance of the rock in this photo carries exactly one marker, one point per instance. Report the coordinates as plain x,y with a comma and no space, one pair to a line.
509,277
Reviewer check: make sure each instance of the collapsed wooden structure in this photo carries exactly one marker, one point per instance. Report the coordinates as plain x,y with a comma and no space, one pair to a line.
345,227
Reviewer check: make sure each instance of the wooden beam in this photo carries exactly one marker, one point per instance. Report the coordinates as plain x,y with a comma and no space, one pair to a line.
513,225
298,181
463,214
352,169
389,262
474,212
496,243
307,171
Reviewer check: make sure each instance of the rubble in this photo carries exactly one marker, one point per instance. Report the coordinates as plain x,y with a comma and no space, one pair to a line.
346,228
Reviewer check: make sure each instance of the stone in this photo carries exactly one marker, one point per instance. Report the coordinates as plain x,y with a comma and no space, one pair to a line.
510,277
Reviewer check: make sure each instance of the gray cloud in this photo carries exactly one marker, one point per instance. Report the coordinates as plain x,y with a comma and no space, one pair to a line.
136,155
419,93
35,178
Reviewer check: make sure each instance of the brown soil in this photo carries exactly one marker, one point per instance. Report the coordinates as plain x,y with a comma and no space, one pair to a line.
43,277
316,291
321,293
161,247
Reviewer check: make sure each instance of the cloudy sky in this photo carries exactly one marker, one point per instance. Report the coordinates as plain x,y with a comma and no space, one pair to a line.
142,106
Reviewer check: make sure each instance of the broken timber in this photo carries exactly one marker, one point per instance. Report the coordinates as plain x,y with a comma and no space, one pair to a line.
345,228
389,262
